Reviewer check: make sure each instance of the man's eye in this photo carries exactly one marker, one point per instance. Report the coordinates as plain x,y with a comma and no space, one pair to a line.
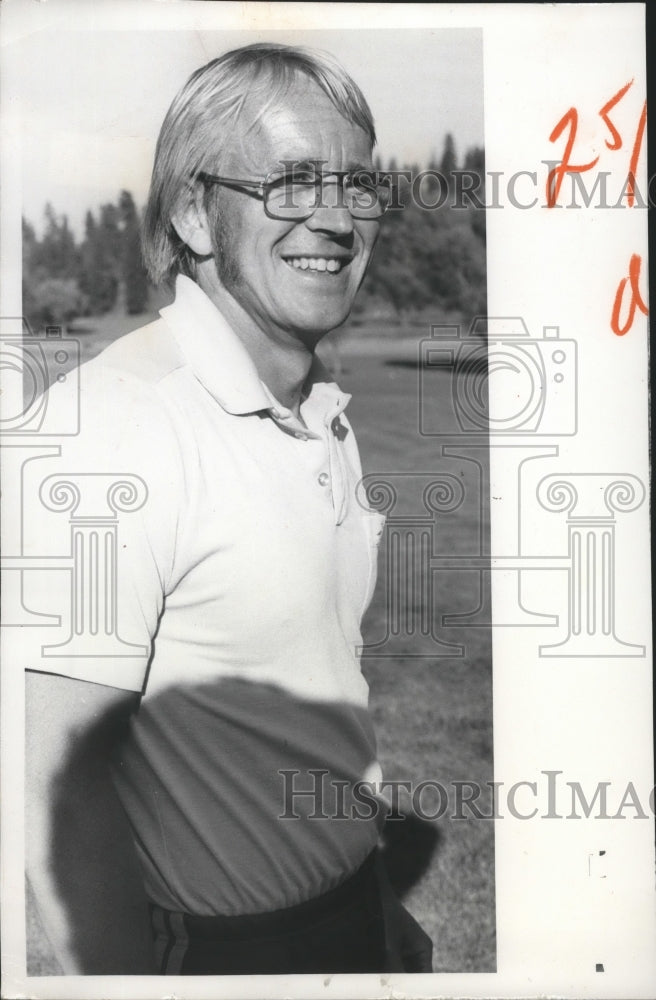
361,182
302,177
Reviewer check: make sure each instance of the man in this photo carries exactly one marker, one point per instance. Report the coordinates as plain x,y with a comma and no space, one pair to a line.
243,577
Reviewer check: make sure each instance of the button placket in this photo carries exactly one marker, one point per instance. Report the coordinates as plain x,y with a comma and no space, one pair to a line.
338,472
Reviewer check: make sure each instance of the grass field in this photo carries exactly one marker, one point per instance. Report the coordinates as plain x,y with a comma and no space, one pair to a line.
433,714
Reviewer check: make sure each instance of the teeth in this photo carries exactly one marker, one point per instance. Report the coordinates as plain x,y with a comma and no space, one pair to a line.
331,264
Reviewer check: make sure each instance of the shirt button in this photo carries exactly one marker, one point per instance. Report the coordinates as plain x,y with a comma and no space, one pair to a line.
323,479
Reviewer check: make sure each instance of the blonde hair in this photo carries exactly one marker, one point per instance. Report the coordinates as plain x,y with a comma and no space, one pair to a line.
205,111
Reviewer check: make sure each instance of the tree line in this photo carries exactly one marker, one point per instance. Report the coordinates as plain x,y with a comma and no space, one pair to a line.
63,279
431,255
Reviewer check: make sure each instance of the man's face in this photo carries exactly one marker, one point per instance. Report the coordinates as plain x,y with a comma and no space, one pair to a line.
294,277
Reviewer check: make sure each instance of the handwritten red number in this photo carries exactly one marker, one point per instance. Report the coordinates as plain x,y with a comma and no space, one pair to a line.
635,155
555,176
571,119
617,138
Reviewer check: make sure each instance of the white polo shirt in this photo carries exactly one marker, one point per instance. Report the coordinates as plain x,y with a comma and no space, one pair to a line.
243,577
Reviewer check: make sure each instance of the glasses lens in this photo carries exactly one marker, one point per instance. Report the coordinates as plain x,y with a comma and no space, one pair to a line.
297,194
292,195
367,197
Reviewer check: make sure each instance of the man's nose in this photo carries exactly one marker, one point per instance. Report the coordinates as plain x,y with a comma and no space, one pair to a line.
334,219
331,214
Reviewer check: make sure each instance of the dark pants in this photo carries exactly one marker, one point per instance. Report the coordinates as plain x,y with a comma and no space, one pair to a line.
341,931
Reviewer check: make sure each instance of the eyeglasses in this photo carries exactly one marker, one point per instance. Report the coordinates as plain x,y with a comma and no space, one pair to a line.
298,193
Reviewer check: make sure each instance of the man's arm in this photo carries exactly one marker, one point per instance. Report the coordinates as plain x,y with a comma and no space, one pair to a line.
81,860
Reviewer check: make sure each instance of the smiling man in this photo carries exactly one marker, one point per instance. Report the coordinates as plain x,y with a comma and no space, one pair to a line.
242,579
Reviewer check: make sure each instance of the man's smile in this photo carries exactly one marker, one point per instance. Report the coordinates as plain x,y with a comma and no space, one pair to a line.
318,264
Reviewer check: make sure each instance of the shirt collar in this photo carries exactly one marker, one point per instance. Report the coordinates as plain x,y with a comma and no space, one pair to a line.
224,367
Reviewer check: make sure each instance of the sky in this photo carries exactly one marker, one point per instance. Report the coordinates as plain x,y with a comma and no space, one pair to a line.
90,103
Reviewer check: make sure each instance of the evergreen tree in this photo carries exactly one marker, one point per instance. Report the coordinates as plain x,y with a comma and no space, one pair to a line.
133,272
475,161
449,162
109,235
89,276
56,254
30,250
51,293
29,241
100,259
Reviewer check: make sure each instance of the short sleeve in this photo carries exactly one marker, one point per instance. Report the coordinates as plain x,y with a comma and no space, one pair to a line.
101,513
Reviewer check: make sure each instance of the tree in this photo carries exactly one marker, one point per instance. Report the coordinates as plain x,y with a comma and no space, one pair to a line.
50,289
62,279
475,161
449,162
89,275
109,233
56,300
56,254
430,255
100,259
30,249
29,242
133,272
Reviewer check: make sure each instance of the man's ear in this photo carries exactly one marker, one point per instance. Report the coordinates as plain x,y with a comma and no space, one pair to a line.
192,225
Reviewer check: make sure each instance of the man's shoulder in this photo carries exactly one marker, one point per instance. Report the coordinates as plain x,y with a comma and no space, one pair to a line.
147,355
122,398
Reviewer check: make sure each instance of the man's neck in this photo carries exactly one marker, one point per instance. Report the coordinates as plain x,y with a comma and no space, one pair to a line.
282,360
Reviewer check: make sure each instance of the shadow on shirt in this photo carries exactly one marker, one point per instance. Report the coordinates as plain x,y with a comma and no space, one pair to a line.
227,807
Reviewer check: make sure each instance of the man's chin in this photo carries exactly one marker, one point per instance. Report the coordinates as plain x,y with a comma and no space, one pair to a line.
320,315
310,335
